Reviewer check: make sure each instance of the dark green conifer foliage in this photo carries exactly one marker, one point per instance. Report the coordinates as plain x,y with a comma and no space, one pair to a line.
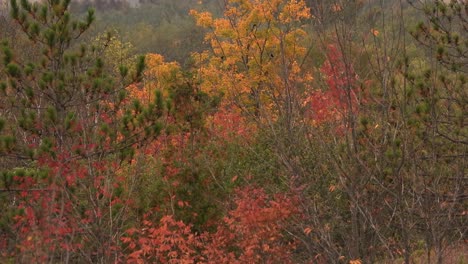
63,107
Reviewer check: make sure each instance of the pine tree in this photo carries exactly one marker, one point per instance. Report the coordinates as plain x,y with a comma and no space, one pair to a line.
66,130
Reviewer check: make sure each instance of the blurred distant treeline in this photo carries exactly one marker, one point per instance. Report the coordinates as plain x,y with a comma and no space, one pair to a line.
151,26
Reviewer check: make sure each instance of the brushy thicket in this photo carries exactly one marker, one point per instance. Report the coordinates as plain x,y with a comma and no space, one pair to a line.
279,131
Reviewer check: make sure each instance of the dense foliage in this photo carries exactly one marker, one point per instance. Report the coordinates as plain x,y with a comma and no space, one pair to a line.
247,131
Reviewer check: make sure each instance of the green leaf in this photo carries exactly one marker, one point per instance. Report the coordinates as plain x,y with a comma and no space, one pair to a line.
140,67
7,55
13,70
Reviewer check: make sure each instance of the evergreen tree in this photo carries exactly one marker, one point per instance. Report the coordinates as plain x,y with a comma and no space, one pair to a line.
67,129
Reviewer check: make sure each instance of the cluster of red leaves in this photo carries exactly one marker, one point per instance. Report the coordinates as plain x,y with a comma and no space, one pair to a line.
45,223
229,124
251,232
340,96
51,219
170,241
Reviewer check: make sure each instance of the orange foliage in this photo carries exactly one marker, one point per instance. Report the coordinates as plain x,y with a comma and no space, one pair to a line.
252,232
170,241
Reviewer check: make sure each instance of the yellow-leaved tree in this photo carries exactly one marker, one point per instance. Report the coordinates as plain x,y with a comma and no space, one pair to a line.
257,53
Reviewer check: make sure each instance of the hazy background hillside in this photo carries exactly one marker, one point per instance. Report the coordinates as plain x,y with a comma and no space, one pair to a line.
157,26
165,26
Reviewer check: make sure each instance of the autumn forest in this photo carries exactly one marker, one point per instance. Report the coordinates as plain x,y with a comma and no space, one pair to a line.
234,131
